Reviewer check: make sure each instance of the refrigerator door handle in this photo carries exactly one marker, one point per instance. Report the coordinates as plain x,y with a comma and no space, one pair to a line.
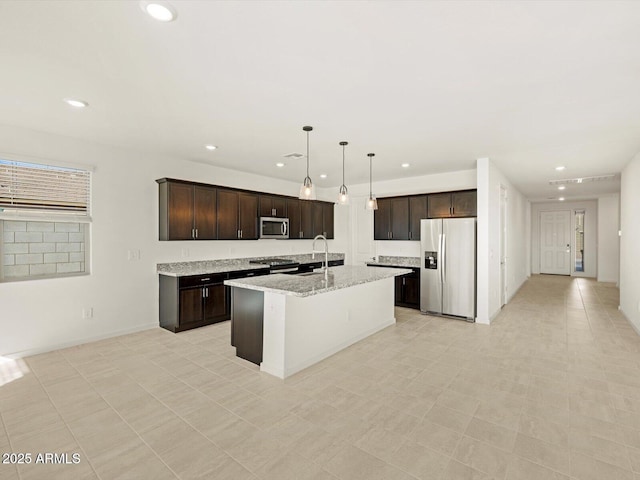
444,258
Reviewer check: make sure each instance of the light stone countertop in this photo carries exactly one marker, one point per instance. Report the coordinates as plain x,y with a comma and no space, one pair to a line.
306,285
388,261
204,267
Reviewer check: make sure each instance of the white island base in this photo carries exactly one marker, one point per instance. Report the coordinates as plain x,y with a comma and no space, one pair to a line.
300,331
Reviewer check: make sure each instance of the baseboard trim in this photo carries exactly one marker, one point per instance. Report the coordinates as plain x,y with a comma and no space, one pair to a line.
633,325
80,341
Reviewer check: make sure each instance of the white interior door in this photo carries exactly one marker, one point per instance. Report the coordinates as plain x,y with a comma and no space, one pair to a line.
361,224
555,242
503,246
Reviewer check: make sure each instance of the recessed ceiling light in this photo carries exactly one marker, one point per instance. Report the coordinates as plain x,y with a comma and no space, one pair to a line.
210,147
560,168
279,164
561,187
405,165
323,175
74,102
561,199
159,10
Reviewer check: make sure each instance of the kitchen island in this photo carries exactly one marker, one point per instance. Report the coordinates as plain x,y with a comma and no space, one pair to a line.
285,323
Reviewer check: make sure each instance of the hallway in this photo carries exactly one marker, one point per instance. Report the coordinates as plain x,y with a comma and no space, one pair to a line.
550,390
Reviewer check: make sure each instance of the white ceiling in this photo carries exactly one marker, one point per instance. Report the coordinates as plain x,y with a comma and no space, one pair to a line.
530,85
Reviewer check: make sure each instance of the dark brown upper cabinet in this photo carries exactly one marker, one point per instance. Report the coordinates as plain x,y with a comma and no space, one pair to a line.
452,204
328,219
391,219
293,213
306,219
237,215
187,211
273,206
417,211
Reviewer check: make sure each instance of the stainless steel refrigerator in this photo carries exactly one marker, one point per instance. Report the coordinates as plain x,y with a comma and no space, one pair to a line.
448,273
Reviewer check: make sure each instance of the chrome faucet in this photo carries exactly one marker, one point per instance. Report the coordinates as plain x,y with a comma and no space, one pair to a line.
326,251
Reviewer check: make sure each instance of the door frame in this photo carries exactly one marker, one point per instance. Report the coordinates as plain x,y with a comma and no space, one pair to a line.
504,199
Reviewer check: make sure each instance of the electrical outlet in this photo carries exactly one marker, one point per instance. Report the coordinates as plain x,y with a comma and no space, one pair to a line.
87,313
133,255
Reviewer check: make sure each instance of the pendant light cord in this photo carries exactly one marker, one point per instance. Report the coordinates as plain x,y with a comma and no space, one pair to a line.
342,164
370,176
307,153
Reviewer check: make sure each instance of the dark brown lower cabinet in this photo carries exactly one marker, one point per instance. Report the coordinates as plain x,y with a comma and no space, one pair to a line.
247,325
407,292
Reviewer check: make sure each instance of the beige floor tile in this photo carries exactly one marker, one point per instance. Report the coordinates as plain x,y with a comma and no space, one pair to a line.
459,471
582,441
448,418
172,431
290,466
197,460
355,464
587,468
419,461
492,434
543,429
522,469
437,437
457,401
543,453
380,442
482,456
318,445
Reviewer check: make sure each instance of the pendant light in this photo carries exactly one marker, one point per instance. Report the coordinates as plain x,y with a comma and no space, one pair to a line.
307,189
372,203
343,193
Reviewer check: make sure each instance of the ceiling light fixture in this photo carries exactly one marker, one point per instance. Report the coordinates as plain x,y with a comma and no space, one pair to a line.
561,199
372,203
279,164
560,168
405,165
159,10
76,103
307,189
561,187
343,193
210,147
323,175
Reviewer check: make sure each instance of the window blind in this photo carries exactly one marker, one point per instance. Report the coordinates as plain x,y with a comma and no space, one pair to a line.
31,186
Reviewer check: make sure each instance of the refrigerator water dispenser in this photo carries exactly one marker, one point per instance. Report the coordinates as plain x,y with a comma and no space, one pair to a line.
431,260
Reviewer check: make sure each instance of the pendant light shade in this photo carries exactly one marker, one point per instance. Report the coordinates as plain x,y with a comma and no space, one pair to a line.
372,203
343,193
307,189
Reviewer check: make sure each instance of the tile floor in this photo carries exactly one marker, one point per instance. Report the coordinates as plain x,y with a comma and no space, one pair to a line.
550,391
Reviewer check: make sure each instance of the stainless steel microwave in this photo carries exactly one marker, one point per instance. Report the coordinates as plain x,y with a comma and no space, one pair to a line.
273,227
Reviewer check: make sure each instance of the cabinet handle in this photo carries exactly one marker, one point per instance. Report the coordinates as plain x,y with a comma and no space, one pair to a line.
410,235
193,233
391,235
196,233
203,294
204,279
238,234
273,212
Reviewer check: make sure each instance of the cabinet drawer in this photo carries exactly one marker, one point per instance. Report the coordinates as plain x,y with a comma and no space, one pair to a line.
335,263
249,273
197,280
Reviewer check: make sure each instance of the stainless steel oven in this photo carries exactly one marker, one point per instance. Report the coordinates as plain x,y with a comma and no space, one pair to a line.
274,227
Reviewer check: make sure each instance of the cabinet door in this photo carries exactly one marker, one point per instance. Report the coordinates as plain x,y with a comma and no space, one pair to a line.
279,205
266,208
248,210
180,211
191,310
215,303
439,205
399,290
318,218
381,220
417,211
464,204
293,212
399,218
328,219
205,222
412,289
227,215
306,219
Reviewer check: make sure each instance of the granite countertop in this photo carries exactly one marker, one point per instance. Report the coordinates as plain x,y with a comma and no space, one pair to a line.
405,262
307,285
185,269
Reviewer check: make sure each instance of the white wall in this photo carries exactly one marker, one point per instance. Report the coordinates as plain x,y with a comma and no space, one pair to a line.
608,239
490,180
629,252
40,315
590,233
